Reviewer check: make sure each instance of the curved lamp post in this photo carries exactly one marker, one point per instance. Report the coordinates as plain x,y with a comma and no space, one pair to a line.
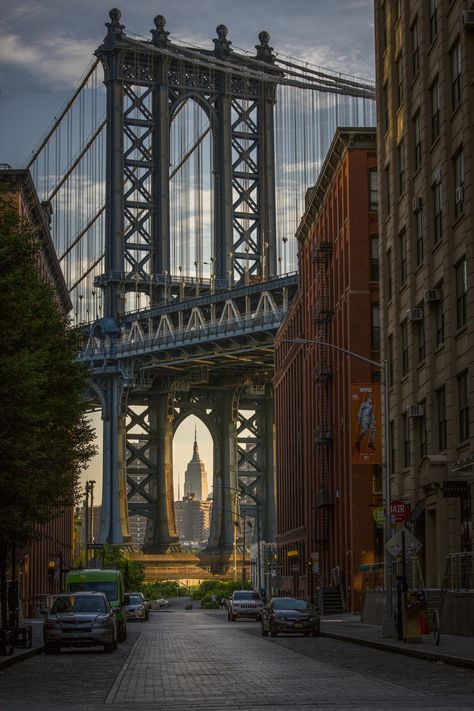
387,624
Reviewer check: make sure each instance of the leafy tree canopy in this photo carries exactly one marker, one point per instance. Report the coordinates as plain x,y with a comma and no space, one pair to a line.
46,438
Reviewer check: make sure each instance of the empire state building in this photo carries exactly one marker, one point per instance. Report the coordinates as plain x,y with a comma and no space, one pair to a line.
195,478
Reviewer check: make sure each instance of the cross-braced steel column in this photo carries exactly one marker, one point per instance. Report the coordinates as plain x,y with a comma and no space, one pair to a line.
225,499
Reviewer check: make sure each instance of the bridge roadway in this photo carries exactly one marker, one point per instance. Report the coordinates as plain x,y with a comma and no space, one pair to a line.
189,660
225,329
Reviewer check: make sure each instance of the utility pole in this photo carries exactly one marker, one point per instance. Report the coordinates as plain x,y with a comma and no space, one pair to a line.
86,516
244,572
91,483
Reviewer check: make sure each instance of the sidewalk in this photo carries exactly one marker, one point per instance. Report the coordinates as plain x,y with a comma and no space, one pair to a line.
19,654
452,649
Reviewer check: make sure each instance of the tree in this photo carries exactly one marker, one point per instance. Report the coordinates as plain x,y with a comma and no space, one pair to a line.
46,438
132,571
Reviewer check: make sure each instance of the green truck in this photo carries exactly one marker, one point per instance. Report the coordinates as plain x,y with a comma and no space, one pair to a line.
109,582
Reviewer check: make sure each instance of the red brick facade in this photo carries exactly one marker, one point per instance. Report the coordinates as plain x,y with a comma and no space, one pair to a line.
325,503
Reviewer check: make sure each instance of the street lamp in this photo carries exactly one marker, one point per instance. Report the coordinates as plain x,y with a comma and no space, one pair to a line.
387,624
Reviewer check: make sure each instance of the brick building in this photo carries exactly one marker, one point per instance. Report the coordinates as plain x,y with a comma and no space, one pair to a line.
424,61
41,568
326,503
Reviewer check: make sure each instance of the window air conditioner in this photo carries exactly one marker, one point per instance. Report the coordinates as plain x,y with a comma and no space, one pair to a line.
416,205
415,411
432,295
415,314
459,194
467,20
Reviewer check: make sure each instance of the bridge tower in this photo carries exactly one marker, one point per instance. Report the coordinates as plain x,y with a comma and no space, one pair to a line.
143,402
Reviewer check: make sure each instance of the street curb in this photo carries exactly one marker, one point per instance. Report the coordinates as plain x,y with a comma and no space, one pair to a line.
20,657
408,651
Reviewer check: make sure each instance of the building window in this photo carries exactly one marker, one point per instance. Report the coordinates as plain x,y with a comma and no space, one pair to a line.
385,113
401,167
463,399
437,212
435,110
458,164
388,259
390,360
456,75
387,189
374,258
417,139
442,423
461,293
373,201
404,344
399,74
439,318
392,445
375,320
415,44
420,332
419,237
433,19
422,433
406,441
403,257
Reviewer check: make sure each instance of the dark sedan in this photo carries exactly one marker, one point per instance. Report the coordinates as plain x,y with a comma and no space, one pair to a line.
288,614
82,619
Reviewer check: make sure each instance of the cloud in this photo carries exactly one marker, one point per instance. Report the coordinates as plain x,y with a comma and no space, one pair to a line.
54,61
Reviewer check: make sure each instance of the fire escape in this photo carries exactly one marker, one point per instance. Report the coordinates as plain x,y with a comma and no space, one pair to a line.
323,436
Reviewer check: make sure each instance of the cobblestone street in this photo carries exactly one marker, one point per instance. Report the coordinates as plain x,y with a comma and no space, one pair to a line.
197,660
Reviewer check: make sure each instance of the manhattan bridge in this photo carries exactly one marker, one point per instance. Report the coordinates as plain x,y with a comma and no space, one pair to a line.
176,177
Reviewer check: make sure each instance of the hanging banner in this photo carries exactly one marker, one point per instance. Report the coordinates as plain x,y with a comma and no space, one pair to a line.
366,431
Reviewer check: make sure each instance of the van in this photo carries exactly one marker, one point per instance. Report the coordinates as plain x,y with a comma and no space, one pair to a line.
109,582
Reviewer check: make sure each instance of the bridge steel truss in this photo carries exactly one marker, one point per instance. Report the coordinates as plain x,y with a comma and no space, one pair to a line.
199,348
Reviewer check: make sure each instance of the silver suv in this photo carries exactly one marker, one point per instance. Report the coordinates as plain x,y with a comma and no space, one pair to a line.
244,603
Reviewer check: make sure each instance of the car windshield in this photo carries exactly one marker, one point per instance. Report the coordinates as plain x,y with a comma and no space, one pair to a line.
79,603
246,595
109,588
290,603
135,600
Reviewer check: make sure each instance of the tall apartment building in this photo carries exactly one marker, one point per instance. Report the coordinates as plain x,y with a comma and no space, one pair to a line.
328,478
424,61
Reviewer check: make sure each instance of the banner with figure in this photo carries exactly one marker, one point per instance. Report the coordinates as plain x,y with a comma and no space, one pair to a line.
366,431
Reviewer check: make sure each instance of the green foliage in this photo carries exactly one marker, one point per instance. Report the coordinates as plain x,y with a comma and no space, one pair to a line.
222,588
46,438
166,589
132,571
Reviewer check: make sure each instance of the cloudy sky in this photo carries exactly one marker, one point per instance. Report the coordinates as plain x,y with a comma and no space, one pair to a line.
45,46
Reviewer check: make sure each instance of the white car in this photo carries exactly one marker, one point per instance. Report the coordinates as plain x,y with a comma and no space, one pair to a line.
244,603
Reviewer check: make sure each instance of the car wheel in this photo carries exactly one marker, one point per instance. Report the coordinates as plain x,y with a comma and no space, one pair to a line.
115,644
273,632
316,633
264,631
109,648
122,635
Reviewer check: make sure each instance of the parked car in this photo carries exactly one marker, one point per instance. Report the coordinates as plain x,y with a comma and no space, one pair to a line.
244,603
289,614
161,602
146,603
83,619
110,582
134,607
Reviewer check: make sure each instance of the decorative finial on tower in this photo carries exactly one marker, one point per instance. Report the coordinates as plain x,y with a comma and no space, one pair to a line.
114,28
222,44
195,434
264,51
159,36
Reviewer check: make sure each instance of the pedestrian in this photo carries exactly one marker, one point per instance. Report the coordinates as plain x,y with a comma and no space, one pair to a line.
214,600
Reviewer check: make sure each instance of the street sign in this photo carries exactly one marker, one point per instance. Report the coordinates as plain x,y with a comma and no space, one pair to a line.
412,544
452,489
400,511
95,546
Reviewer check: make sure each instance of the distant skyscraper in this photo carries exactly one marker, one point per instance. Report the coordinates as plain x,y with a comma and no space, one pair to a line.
195,478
